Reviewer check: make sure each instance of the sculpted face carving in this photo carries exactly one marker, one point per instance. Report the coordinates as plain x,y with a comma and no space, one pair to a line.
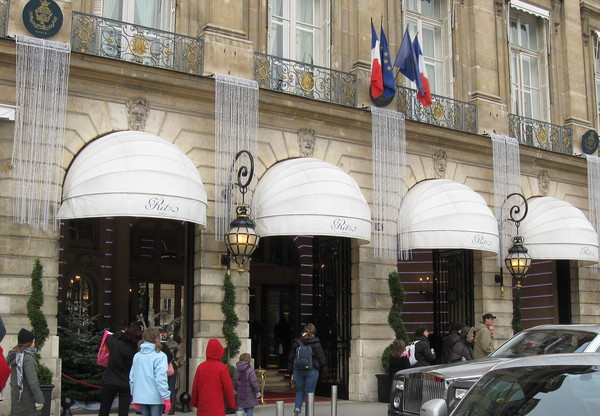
543,182
306,142
440,162
137,113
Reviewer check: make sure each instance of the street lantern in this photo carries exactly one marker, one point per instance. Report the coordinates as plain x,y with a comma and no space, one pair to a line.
518,261
242,239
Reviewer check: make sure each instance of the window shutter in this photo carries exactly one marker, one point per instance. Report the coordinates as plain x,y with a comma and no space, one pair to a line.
325,35
447,43
545,76
269,18
168,13
97,8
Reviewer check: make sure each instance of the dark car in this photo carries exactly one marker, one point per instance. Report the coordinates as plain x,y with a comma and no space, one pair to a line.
543,385
415,386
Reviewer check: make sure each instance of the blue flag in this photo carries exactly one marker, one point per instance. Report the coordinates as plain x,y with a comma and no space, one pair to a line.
406,61
389,84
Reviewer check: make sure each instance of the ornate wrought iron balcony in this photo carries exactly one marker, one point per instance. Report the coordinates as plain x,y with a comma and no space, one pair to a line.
443,111
94,35
298,78
540,134
3,17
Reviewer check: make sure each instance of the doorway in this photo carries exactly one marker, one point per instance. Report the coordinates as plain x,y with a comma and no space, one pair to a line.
302,279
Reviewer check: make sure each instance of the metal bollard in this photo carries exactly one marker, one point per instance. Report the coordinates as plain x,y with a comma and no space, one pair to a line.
279,408
334,400
310,404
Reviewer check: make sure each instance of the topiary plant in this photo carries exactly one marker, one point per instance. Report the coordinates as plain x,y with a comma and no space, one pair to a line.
398,296
517,326
230,322
39,324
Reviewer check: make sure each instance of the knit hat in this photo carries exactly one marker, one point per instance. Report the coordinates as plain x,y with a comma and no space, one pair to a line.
458,326
25,336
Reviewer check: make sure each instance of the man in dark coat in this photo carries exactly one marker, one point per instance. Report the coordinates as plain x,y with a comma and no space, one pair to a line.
423,351
450,340
122,346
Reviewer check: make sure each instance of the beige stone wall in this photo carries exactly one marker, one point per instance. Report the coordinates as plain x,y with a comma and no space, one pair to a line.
182,112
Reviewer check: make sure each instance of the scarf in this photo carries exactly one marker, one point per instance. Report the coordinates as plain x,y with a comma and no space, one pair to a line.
19,361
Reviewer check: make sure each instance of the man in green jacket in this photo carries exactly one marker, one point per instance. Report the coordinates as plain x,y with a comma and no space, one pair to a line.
484,336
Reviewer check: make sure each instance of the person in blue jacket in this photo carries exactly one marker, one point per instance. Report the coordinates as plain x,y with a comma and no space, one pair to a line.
148,376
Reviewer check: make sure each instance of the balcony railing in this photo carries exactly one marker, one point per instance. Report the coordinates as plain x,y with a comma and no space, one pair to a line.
298,78
3,17
540,134
94,35
443,111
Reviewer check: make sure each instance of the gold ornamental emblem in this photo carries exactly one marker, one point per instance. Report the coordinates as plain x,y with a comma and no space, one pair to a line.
42,17
307,81
139,46
437,111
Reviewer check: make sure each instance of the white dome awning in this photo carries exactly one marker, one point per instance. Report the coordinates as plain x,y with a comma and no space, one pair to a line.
443,214
307,196
136,174
556,230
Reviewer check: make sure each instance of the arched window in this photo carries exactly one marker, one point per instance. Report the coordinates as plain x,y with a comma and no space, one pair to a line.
78,296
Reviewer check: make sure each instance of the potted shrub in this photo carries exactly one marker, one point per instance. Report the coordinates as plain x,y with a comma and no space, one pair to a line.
230,323
39,327
398,295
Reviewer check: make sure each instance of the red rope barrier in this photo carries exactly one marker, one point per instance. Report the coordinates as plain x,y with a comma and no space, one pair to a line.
80,382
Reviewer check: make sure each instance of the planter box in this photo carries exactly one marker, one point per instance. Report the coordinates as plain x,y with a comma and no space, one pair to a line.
383,387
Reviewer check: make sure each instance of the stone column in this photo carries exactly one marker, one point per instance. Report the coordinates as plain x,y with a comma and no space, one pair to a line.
481,61
224,26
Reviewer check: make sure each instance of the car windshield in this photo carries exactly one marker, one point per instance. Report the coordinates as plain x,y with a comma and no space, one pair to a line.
547,341
535,391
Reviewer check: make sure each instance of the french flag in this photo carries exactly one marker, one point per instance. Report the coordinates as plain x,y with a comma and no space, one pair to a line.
424,94
376,73
411,63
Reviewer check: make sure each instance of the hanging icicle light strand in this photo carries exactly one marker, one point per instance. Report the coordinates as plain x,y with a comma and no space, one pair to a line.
42,76
593,165
389,178
236,128
507,180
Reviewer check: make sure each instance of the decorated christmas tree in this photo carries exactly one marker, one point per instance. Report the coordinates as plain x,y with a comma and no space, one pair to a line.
79,342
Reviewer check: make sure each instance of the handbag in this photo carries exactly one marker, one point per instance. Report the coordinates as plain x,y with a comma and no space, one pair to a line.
170,369
103,350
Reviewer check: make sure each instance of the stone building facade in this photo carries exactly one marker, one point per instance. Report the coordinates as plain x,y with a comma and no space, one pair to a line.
475,69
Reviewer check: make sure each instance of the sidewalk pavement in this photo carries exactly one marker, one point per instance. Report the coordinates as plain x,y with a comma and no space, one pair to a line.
344,408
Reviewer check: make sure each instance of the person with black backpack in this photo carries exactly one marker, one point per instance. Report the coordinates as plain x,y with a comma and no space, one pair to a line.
306,361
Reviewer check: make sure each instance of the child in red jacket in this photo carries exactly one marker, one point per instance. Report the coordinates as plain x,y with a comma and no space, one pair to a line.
212,390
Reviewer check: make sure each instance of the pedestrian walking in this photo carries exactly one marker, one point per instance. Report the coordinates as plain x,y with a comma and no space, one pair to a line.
423,351
148,376
484,336
306,376
26,396
463,348
245,385
449,341
122,346
398,358
4,367
212,390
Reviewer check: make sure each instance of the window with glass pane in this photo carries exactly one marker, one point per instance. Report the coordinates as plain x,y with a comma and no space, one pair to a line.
597,77
150,13
527,75
295,30
425,19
